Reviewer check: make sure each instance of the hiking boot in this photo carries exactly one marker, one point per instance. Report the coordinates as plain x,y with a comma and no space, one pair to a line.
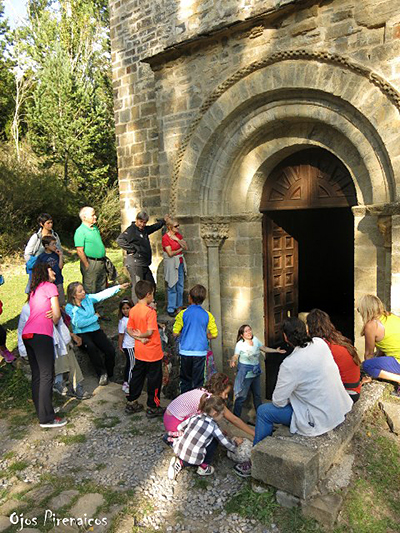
81,394
60,388
103,380
175,466
8,356
153,412
56,423
133,407
396,392
205,470
243,469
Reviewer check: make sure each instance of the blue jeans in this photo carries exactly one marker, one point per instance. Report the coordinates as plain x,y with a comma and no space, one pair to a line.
175,293
267,414
248,384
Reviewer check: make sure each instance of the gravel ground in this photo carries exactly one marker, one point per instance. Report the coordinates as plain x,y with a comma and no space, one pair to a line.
127,455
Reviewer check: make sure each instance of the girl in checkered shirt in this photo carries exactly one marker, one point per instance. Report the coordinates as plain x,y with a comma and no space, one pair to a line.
199,438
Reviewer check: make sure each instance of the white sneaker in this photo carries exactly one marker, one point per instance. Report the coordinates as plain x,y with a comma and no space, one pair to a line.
56,423
103,380
208,471
125,387
175,466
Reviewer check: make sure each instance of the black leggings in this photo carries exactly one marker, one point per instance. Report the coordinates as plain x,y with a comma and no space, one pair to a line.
96,342
40,350
3,336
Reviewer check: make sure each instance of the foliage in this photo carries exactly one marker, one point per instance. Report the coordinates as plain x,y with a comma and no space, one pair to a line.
109,212
7,87
70,112
250,504
26,191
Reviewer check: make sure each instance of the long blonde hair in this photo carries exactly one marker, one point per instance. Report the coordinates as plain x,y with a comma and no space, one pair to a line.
370,308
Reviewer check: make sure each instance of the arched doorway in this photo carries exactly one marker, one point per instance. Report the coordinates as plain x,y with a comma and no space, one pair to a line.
308,234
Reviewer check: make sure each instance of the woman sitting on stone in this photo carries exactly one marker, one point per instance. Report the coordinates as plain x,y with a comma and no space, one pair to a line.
344,353
174,265
309,395
85,324
381,330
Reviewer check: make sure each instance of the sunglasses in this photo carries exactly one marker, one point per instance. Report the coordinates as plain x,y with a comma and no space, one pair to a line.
177,226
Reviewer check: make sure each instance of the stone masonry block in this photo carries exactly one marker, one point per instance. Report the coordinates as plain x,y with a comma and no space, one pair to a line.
324,509
290,467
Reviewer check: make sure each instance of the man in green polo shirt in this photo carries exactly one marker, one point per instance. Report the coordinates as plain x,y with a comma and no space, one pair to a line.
91,252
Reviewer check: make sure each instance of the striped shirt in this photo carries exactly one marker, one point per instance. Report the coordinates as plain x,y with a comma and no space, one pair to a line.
186,404
199,431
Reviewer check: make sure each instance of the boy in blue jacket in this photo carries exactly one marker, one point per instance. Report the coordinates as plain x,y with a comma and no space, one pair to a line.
195,327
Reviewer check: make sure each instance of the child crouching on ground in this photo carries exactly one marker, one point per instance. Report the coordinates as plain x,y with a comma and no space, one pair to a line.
201,433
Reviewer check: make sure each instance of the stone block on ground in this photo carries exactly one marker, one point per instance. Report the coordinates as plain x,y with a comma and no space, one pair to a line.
10,506
63,499
64,529
392,413
287,500
87,504
295,464
287,466
39,494
324,509
4,523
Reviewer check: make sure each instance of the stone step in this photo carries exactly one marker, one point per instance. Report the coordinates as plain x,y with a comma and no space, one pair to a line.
295,464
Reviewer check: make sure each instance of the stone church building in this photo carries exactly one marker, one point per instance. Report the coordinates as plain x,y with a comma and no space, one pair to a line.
271,129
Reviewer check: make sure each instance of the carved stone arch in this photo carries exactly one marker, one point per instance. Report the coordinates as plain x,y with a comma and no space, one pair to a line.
245,93
311,178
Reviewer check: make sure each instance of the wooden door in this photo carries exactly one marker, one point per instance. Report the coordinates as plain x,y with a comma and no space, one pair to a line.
280,278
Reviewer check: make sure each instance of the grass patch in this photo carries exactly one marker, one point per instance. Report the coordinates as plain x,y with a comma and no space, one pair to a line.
9,455
106,421
200,482
373,502
18,466
100,466
15,388
72,439
134,432
250,504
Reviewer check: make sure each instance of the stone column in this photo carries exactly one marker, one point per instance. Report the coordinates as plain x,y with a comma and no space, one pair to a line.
395,260
214,235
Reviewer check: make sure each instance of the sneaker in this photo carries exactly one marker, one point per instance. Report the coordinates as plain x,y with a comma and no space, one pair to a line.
396,392
60,388
133,407
167,440
81,394
243,469
153,412
205,470
8,356
103,380
175,466
125,387
56,423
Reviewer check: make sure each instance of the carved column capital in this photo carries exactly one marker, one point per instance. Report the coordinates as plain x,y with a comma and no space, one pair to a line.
214,233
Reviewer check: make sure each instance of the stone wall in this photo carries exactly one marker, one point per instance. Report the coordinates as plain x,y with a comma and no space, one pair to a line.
208,94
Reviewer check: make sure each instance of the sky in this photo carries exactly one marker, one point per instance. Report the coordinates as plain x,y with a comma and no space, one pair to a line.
15,11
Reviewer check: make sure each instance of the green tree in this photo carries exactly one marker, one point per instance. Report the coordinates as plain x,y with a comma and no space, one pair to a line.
70,114
7,87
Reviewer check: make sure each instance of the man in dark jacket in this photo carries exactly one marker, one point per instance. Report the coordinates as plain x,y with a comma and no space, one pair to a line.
135,241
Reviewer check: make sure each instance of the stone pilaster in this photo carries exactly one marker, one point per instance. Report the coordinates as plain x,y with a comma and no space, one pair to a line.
214,234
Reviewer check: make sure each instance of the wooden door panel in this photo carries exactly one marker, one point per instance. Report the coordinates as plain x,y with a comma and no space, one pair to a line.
280,278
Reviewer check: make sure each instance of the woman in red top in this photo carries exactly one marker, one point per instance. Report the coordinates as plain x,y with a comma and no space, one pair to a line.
174,265
344,353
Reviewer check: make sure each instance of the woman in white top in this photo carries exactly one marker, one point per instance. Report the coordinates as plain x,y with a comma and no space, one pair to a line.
309,395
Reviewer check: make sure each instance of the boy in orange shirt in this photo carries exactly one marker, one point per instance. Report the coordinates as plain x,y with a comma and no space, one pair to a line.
142,325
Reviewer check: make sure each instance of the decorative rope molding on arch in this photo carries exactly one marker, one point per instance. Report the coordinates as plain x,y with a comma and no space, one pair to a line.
325,57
